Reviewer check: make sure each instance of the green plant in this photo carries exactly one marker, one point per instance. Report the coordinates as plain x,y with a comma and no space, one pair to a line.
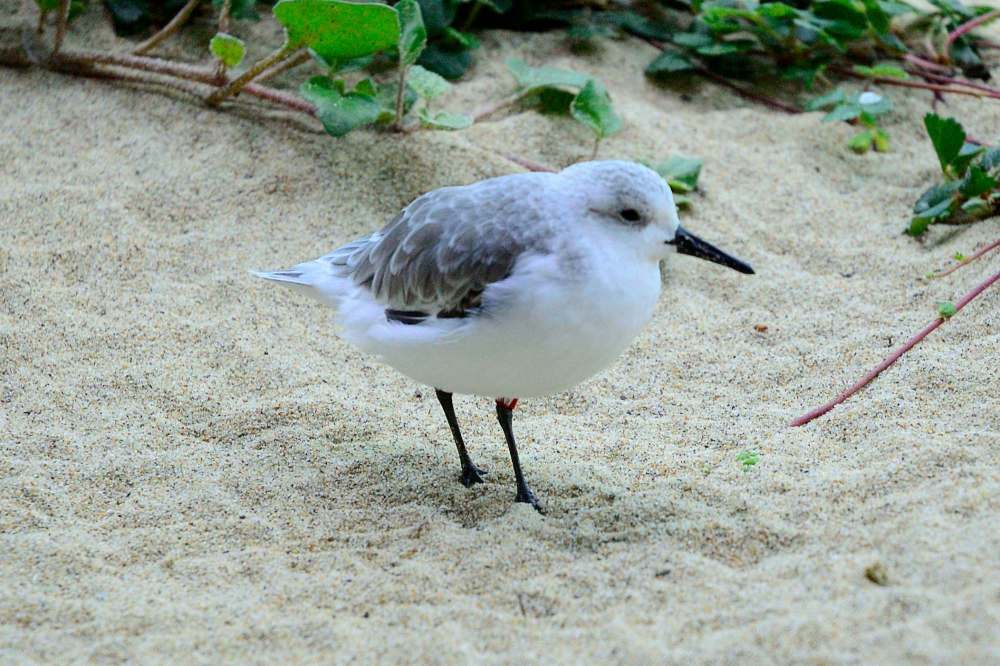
864,109
747,458
971,190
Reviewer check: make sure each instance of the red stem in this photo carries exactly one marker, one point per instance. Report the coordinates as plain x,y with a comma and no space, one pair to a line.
892,358
972,25
968,260
743,92
528,164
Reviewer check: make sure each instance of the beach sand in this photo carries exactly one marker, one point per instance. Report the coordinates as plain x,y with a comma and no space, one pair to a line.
194,469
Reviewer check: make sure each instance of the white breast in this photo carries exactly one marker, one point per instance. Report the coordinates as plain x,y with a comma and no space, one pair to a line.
558,320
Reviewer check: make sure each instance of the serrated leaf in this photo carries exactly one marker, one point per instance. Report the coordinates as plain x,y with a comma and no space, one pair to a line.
592,107
680,172
669,62
444,120
533,78
228,49
426,83
339,111
338,30
947,136
412,33
977,182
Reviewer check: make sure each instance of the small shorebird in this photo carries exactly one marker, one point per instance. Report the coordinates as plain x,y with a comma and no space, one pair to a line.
512,287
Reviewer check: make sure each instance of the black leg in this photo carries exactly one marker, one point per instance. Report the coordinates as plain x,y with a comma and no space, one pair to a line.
471,474
505,416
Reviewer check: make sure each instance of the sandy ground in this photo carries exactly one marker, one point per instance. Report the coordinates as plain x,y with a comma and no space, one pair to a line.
194,468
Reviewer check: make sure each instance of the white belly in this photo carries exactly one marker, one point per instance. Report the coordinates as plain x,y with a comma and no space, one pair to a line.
540,333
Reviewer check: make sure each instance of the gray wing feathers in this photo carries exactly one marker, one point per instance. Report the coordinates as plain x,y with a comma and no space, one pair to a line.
448,243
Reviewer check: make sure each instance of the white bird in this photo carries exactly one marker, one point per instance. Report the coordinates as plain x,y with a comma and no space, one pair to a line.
512,287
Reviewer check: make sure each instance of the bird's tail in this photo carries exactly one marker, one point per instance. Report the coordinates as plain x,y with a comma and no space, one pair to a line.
319,279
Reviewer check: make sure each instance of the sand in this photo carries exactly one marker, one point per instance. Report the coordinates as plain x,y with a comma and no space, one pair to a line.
194,469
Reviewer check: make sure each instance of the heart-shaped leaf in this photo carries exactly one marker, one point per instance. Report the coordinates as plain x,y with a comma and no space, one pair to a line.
533,78
426,83
592,107
444,120
412,33
339,111
228,49
338,30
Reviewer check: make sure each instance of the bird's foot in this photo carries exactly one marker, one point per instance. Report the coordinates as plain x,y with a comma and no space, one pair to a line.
527,497
471,475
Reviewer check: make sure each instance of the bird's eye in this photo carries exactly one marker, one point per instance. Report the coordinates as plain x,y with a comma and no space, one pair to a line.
630,215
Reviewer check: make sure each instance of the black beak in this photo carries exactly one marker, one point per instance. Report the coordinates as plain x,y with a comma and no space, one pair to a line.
688,243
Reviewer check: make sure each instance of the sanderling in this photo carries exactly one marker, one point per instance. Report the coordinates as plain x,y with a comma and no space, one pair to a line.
512,287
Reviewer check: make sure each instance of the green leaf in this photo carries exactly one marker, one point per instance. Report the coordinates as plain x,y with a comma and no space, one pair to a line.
975,206
669,62
444,120
412,33
861,142
977,182
228,49
881,71
385,97
47,5
426,83
947,309
947,136
990,160
339,111
447,61
880,140
682,201
592,107
532,78
845,111
960,164
466,40
680,172
831,98
872,103
338,30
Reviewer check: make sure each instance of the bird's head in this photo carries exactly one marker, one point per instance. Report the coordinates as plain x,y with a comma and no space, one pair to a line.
639,202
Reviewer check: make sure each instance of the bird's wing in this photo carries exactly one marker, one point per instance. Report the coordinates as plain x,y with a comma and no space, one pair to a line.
450,243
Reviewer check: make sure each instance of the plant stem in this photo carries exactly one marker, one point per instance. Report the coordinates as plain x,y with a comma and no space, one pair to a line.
73,61
968,260
237,84
972,25
743,92
995,92
220,67
597,144
42,15
892,358
227,6
301,56
62,20
169,29
502,103
923,63
923,86
400,96
472,16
